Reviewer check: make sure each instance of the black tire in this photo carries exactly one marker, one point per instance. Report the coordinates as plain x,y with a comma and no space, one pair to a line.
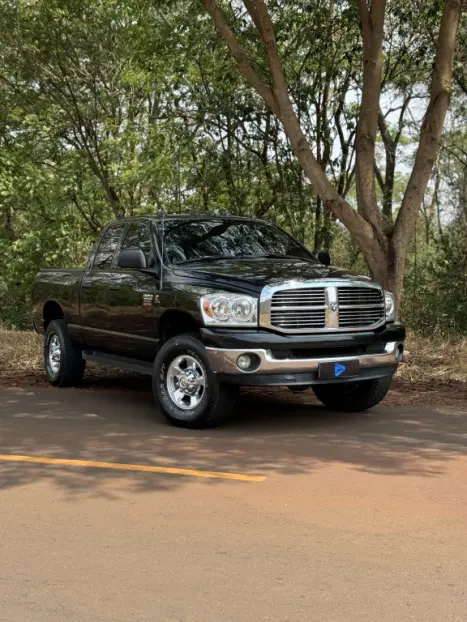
353,396
217,401
71,365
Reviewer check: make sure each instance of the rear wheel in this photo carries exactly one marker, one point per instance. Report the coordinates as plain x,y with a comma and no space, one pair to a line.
186,388
62,357
353,396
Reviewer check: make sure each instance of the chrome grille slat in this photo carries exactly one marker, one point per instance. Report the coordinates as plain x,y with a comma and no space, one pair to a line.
302,294
316,294
304,308
349,317
301,302
359,295
351,312
338,306
320,319
302,324
375,306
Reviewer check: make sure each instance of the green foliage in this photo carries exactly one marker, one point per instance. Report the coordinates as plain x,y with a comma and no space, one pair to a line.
115,108
436,286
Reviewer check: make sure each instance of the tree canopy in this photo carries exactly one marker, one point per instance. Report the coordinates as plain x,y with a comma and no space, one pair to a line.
116,108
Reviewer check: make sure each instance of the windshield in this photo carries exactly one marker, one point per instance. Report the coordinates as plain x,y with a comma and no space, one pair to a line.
203,239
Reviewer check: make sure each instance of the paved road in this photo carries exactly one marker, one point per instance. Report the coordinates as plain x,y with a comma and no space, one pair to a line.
357,518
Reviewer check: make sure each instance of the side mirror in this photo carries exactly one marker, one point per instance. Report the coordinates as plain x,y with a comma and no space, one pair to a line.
323,257
132,258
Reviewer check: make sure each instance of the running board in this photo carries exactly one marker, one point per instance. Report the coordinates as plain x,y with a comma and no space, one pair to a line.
123,362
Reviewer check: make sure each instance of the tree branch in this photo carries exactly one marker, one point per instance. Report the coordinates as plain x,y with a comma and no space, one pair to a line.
390,146
387,185
280,103
332,201
379,178
240,56
432,127
372,23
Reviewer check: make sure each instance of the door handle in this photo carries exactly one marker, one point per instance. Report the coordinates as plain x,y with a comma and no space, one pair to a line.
114,287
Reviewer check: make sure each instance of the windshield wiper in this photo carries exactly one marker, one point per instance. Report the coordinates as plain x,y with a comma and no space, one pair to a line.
257,256
205,258
282,256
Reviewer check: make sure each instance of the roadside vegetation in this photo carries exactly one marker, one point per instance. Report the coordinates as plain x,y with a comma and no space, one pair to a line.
116,109
438,361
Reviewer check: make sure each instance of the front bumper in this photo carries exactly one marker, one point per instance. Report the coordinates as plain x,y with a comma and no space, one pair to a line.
289,362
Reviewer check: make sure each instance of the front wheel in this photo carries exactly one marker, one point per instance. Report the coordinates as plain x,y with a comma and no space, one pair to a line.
186,388
353,396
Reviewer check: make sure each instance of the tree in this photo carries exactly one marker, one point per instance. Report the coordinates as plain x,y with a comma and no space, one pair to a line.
384,244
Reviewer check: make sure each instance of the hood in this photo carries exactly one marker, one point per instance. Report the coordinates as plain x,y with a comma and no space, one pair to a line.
257,273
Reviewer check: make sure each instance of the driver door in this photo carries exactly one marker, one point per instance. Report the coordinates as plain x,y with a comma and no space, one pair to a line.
95,289
132,298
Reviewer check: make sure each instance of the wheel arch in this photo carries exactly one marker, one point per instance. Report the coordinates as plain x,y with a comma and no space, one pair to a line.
52,311
174,322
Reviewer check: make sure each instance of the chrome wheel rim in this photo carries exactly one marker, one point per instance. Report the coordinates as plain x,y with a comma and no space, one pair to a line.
55,354
186,382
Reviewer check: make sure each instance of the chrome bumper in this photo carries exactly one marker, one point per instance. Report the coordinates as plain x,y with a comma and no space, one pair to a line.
224,361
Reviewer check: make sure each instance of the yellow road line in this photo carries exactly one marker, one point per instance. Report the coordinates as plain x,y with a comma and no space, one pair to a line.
131,467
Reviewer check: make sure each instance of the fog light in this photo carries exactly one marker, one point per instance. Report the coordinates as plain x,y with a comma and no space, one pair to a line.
244,362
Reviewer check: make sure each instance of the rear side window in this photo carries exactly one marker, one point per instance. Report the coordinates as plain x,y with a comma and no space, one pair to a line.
138,237
107,247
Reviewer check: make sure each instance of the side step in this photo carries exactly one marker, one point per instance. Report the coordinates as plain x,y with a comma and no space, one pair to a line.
141,367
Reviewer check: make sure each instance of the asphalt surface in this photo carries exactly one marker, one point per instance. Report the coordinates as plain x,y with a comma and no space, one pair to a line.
328,518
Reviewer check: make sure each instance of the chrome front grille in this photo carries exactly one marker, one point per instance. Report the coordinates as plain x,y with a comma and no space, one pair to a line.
359,317
291,319
356,296
302,309
360,306
314,308
307,296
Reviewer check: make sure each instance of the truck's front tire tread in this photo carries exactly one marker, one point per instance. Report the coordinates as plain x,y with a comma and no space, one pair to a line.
353,397
72,365
219,401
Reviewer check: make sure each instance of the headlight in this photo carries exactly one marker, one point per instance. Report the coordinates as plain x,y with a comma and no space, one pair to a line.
390,303
229,310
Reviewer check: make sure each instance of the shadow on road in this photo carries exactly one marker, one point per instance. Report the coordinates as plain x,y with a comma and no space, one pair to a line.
273,432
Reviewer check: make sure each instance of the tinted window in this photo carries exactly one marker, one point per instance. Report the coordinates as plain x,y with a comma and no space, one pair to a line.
138,237
107,247
187,241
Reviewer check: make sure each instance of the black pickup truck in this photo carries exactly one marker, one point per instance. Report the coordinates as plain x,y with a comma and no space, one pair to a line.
208,304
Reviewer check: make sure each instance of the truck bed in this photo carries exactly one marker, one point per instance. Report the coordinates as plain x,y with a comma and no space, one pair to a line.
61,286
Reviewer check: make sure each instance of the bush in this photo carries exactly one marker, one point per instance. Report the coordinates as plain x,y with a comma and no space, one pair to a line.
435,292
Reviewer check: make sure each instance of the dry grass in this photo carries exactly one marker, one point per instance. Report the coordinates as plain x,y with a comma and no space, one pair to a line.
435,360
20,351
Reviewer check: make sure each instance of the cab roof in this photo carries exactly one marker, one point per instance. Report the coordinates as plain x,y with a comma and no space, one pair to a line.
191,217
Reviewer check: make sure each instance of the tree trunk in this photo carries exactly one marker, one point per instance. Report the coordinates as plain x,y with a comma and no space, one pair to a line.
318,218
384,248
389,272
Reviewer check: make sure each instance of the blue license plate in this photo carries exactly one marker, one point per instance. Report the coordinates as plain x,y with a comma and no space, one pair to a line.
334,371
